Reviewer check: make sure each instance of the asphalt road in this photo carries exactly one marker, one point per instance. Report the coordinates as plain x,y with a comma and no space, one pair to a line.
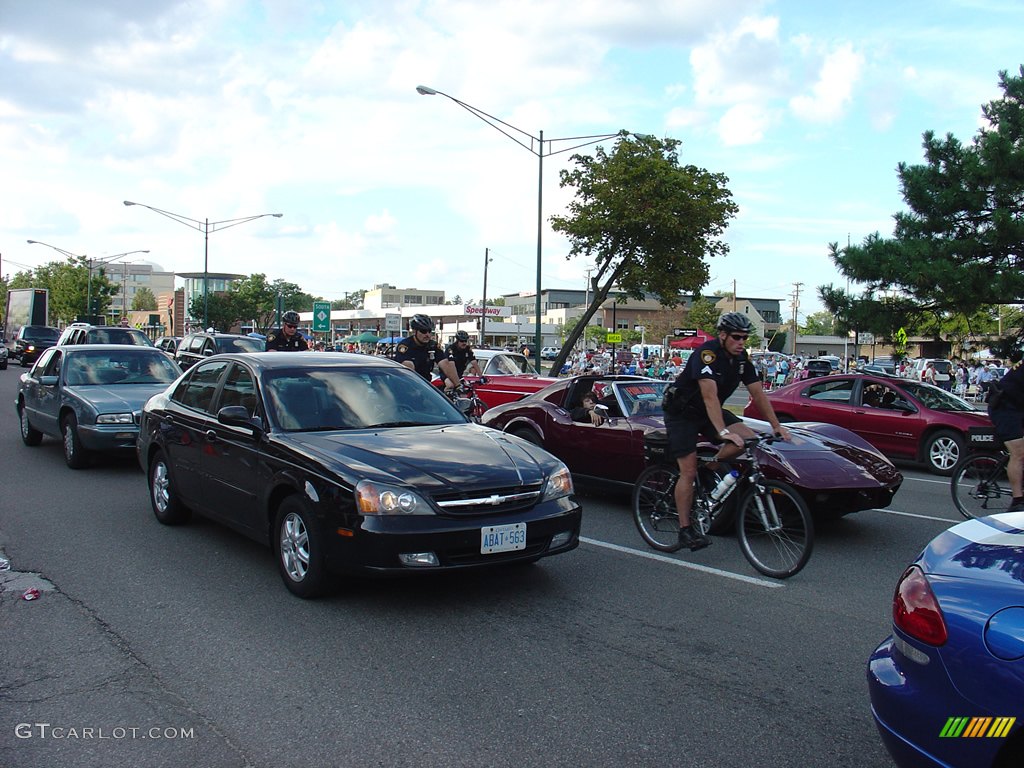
156,646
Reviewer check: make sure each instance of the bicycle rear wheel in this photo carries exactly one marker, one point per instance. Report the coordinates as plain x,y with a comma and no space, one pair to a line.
980,486
654,507
775,530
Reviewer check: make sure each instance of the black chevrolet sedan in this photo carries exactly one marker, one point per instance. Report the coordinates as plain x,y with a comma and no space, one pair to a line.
349,463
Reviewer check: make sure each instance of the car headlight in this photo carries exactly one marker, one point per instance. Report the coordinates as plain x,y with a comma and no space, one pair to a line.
381,499
115,418
559,485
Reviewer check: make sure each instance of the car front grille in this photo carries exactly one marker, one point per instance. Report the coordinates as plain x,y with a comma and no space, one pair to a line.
489,501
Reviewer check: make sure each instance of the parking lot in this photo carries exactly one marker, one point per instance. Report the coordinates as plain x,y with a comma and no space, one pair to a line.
610,655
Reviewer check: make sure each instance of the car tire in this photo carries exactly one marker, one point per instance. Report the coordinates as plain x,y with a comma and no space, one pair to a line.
528,435
943,451
299,551
75,455
29,434
163,497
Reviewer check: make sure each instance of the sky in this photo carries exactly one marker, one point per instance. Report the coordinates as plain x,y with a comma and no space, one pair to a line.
227,109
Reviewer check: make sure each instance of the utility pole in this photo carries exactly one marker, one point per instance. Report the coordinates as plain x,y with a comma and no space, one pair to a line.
796,306
733,295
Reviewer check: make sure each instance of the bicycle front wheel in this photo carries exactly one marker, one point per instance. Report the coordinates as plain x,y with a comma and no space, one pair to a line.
774,529
654,507
980,486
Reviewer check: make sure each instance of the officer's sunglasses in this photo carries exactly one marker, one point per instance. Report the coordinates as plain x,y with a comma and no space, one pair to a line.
738,336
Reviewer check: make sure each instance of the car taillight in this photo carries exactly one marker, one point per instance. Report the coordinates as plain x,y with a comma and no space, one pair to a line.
915,609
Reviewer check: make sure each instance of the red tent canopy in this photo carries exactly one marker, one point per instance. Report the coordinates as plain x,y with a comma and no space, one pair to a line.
690,342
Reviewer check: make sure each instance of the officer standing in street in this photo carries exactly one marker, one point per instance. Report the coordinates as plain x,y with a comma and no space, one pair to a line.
287,338
420,352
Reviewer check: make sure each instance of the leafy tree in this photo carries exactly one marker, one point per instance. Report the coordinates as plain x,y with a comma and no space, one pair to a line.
704,314
220,307
961,244
352,300
144,300
819,324
647,222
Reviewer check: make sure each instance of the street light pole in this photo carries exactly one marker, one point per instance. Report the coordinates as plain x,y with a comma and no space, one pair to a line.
483,301
206,227
90,264
536,147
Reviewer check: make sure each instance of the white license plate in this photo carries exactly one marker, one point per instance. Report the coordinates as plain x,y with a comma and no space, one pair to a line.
502,538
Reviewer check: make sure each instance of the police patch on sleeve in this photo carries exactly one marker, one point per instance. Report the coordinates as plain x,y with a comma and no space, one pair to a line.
271,337
707,357
402,349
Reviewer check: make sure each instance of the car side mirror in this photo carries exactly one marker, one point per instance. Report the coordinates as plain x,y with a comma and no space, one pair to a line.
48,381
238,416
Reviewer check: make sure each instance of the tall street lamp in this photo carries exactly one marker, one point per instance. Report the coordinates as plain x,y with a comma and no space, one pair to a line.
91,264
206,227
483,301
537,147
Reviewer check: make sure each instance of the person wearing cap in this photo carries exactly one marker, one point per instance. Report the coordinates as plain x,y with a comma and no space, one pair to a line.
460,353
419,350
287,338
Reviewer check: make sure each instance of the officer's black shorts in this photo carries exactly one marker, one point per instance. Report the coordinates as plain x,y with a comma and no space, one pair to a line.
1009,423
684,432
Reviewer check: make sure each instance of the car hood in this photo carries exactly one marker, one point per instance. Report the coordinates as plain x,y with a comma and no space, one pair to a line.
826,456
463,456
117,397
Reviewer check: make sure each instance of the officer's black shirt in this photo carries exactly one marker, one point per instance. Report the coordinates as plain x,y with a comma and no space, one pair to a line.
1011,388
710,361
276,339
461,356
423,356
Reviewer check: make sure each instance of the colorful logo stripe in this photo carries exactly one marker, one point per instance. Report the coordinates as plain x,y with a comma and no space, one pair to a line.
977,727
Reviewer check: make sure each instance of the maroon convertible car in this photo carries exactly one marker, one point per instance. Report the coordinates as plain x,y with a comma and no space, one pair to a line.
836,471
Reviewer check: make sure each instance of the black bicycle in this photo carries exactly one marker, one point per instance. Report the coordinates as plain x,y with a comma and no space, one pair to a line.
465,399
772,521
980,485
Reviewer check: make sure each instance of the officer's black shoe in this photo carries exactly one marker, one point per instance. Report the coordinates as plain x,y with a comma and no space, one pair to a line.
692,538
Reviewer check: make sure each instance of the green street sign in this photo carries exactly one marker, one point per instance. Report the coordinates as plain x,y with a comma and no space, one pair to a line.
614,338
321,316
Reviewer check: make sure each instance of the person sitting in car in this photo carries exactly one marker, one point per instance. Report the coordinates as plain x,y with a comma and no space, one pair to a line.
586,411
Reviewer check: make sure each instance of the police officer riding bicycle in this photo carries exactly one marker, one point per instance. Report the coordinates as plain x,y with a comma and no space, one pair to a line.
287,338
693,406
461,354
419,351
1006,409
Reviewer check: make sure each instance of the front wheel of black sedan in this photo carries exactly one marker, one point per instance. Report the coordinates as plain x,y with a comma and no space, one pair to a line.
300,556
29,434
162,496
75,454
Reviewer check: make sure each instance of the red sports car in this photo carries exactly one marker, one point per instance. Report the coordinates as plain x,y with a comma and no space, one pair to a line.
902,418
836,471
510,377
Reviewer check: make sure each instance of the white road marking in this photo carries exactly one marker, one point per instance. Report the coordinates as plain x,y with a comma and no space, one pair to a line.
683,563
921,517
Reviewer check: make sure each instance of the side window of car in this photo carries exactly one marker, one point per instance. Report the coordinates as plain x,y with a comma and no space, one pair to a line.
196,344
198,390
44,363
239,389
831,391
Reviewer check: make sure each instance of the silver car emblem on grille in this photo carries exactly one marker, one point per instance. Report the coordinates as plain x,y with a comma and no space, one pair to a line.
494,500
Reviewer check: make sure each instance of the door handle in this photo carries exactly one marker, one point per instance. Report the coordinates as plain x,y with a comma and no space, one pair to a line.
211,436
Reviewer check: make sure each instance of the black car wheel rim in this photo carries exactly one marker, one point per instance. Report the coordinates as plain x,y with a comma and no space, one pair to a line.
294,547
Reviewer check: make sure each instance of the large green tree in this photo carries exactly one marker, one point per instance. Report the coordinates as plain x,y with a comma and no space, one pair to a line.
960,245
144,300
69,288
647,222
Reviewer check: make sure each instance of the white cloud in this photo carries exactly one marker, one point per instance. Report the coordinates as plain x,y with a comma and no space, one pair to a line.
833,91
743,124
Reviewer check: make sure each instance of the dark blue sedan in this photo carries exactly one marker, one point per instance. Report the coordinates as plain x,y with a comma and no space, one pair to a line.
947,687
90,396
347,463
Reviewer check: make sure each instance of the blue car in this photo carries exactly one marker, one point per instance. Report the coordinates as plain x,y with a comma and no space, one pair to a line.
947,687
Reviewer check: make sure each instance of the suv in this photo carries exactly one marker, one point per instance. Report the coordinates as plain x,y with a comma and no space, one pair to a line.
30,341
549,353
199,346
168,344
83,333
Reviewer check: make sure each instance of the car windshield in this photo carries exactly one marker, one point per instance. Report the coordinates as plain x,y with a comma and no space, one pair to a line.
40,333
508,365
102,367
935,398
241,344
640,398
819,365
325,399
118,335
